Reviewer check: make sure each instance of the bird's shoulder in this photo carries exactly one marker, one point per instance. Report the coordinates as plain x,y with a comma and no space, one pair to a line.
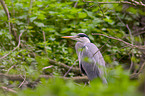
92,47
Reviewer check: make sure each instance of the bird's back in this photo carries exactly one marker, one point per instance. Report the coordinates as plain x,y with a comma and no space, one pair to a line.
91,60
95,53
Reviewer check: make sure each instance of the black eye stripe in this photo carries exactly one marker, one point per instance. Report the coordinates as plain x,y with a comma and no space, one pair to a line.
82,35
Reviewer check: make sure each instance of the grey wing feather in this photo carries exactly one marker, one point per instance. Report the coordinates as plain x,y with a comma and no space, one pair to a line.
91,69
94,67
96,53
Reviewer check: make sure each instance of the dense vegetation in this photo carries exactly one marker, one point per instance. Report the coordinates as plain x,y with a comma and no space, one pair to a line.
34,58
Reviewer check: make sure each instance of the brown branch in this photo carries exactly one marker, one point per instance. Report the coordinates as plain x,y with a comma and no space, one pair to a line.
75,70
22,82
62,65
7,13
11,26
14,48
8,89
10,68
141,69
101,10
77,79
76,4
134,76
70,68
100,49
134,46
134,3
139,33
11,77
138,3
45,43
2,46
47,67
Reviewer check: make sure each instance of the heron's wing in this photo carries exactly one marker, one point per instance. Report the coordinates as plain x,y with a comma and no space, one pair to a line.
92,61
90,69
95,52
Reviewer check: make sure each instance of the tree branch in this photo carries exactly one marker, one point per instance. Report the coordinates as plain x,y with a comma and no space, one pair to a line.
7,13
77,79
62,65
134,46
70,68
134,3
14,48
8,89
11,26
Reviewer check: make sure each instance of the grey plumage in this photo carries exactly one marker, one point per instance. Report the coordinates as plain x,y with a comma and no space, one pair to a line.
94,65
91,61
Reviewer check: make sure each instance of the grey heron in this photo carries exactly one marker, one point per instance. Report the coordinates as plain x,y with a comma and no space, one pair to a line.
91,61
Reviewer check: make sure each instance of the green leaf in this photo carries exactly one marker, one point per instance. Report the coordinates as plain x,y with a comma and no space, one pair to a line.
82,15
39,24
33,18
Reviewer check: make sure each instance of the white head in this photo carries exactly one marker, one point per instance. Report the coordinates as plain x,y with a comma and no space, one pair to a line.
81,37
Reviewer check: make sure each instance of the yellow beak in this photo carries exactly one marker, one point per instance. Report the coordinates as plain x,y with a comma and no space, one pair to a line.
67,37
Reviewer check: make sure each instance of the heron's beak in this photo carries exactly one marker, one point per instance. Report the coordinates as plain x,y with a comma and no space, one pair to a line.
69,37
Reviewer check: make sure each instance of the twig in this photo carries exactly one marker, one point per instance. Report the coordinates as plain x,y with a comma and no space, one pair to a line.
8,89
130,33
7,13
2,46
23,81
135,3
132,39
62,65
44,37
14,48
44,42
131,65
76,4
124,55
139,33
134,76
79,79
134,46
138,3
70,68
10,68
76,79
11,26
141,69
47,67
101,10
20,78
100,48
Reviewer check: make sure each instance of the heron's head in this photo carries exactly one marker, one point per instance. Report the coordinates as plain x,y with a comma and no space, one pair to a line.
81,37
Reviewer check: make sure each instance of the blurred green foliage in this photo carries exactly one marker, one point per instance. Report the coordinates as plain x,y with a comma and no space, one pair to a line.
58,18
118,84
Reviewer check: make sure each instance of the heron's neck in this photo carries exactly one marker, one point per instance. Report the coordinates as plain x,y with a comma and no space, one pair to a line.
85,41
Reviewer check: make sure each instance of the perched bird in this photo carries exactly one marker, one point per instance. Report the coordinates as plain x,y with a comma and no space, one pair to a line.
91,61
